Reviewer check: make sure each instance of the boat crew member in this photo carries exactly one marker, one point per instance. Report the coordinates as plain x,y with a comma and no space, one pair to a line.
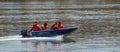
35,27
44,26
60,25
54,26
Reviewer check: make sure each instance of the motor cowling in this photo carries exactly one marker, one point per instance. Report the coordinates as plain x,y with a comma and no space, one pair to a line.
24,33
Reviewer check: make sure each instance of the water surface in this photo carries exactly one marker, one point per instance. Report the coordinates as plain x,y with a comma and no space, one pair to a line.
97,20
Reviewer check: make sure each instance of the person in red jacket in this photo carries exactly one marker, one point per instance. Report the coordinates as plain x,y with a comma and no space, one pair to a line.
35,27
60,25
54,26
44,26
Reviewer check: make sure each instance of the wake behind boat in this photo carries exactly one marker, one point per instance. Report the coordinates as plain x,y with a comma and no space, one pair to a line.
43,35
18,37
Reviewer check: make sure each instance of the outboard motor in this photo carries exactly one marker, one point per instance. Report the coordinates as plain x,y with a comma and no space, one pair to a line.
24,33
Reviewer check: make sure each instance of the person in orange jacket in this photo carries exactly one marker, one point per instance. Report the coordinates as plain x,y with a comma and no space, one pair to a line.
35,27
60,25
54,26
44,26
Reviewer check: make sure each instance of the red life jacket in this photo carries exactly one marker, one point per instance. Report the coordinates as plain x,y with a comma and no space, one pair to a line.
60,26
54,26
44,27
36,27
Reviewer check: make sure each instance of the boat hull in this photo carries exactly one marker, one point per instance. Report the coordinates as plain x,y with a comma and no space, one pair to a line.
50,33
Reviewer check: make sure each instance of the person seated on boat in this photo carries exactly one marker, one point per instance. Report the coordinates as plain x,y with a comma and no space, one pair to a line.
54,26
44,26
35,27
60,25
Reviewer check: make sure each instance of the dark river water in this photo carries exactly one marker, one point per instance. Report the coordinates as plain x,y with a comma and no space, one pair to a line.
98,23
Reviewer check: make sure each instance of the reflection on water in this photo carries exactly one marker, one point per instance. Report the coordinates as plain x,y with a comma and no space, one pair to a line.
31,46
47,47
